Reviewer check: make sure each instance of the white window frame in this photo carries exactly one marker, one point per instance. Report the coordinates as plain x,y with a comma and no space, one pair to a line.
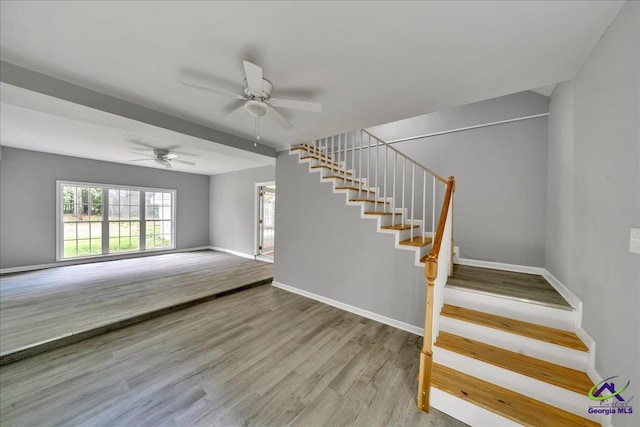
105,219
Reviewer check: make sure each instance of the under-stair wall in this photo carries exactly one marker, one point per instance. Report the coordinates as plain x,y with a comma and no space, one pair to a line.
326,250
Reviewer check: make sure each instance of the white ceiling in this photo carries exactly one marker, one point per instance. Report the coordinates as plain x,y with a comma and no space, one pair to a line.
368,63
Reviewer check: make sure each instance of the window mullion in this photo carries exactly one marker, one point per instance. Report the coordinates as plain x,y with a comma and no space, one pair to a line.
105,220
143,219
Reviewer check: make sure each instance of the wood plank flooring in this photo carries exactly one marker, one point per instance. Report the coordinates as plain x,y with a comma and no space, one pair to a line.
41,307
262,356
520,286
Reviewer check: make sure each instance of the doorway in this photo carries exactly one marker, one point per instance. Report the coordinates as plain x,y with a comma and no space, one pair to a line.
266,224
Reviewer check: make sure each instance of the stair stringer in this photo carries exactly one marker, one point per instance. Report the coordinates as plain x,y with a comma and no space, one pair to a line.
381,221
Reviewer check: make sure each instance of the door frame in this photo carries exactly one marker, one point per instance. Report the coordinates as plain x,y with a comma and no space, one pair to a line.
256,218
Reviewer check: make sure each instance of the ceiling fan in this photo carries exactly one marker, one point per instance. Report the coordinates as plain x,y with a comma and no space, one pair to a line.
162,157
257,99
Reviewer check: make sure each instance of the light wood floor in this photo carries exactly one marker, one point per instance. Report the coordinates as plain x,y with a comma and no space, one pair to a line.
37,308
261,356
521,286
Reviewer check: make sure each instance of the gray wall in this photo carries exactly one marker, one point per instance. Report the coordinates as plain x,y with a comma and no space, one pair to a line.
559,226
324,247
232,208
499,205
521,104
500,174
28,201
602,157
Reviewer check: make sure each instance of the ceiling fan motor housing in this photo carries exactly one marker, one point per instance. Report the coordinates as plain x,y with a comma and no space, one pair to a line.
267,87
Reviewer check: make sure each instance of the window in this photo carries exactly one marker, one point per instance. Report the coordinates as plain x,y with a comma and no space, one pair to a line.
97,219
81,220
158,214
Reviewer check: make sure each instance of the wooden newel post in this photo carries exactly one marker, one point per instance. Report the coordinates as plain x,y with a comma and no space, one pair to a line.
426,355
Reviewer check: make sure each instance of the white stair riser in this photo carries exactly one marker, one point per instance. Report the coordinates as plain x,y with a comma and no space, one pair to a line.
534,313
353,194
373,207
553,353
322,161
522,384
421,251
384,219
467,412
339,182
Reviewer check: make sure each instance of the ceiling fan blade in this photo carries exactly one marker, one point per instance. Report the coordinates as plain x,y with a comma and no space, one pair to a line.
296,105
142,154
140,160
210,89
279,118
134,141
253,73
167,165
234,112
184,162
170,156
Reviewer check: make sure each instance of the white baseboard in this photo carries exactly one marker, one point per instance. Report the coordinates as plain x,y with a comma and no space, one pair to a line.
356,310
92,260
232,252
501,266
562,289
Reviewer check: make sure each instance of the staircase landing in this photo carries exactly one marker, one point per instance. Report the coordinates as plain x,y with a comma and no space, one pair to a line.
524,287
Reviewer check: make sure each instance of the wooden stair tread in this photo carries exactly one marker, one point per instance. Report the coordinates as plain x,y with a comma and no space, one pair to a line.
341,172
398,227
417,242
355,181
369,200
324,159
518,327
355,189
547,372
507,403
381,213
307,148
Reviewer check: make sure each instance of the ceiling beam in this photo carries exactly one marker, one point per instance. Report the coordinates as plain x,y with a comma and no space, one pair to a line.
41,83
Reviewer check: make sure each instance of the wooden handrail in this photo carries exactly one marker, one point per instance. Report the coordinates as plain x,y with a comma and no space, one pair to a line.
431,273
435,248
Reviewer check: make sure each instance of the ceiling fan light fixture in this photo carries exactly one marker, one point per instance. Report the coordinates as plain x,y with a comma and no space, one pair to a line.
256,108
160,162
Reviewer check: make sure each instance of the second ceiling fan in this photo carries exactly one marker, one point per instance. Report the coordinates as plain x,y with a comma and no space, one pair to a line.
257,98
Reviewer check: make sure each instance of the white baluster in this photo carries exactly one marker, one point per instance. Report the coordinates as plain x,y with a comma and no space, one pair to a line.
424,203
369,163
375,203
345,158
413,187
393,195
404,168
384,194
353,158
360,168
433,209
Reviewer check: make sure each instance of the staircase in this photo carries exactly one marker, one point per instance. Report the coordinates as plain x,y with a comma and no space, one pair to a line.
495,360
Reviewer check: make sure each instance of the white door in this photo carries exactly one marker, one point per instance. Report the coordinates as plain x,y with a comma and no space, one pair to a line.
266,220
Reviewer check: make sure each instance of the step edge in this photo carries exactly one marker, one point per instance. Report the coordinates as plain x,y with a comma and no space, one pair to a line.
473,401
542,350
550,394
585,349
